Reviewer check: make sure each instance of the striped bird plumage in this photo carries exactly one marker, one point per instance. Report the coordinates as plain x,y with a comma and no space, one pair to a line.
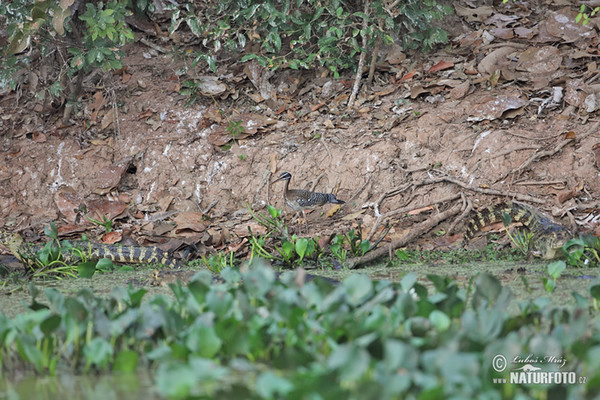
299,200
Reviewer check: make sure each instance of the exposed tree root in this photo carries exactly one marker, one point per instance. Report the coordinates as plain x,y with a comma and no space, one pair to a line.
416,231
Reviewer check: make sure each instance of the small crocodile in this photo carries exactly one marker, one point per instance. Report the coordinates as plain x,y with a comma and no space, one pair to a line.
547,236
26,253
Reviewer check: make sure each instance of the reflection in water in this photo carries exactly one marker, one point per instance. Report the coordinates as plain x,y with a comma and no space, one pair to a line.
75,387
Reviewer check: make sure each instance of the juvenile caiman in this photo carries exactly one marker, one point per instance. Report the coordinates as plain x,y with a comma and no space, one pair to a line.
547,236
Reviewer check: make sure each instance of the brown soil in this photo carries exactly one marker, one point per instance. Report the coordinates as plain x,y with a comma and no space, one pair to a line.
137,154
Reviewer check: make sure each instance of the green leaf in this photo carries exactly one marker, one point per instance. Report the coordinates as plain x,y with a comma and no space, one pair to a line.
358,288
365,246
350,360
402,254
203,341
271,386
126,361
29,351
51,231
86,269
556,268
549,284
362,15
506,218
301,245
595,291
274,212
175,380
408,281
276,39
50,323
287,248
440,320
98,352
104,264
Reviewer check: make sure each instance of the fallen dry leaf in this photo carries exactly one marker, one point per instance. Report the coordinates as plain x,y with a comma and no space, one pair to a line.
442,65
562,24
460,91
108,118
494,108
112,237
495,60
39,137
408,76
332,211
540,60
109,177
478,14
99,101
100,208
241,229
352,216
68,200
596,151
189,223
68,230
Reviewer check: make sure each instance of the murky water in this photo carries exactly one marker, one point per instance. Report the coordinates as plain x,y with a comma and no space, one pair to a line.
75,387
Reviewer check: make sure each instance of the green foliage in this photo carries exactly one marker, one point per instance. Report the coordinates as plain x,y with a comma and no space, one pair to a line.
296,249
218,262
191,88
274,222
37,25
583,251
63,259
305,34
235,128
555,269
106,223
583,17
350,242
254,336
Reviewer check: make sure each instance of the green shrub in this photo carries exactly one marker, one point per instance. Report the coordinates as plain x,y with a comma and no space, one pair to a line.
305,34
68,40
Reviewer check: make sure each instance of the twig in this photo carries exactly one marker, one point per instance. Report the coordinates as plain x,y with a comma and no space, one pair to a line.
360,189
468,207
155,46
546,153
325,145
538,183
405,210
363,56
374,60
393,192
532,138
412,234
315,183
505,44
509,151
210,206
492,192
383,235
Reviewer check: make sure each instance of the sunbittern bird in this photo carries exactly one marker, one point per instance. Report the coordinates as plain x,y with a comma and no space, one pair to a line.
300,200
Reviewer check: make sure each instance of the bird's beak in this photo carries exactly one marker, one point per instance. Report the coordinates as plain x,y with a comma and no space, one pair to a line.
277,180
